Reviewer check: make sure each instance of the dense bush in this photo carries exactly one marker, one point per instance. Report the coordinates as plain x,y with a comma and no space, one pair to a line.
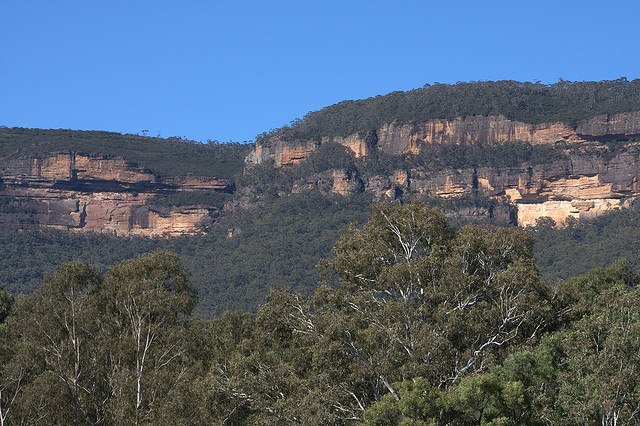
563,253
275,246
208,199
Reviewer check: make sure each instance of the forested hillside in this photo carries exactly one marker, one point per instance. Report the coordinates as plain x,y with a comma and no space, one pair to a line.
327,286
426,325
278,247
563,253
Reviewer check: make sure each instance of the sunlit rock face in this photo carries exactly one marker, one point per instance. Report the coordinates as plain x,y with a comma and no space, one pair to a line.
582,185
411,138
72,166
86,193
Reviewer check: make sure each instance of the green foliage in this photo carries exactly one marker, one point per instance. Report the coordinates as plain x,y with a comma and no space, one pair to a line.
117,349
56,325
6,303
574,250
436,158
29,255
584,372
276,246
208,199
418,404
328,156
166,157
451,156
427,325
564,101
146,301
415,299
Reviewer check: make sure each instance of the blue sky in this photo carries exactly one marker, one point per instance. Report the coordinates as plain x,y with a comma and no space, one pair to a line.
230,70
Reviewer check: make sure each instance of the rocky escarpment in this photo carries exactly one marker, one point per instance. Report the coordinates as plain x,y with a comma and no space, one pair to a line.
99,194
585,182
579,186
398,139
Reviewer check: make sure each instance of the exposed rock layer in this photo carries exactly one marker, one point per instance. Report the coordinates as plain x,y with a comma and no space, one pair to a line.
579,186
582,185
98,194
410,138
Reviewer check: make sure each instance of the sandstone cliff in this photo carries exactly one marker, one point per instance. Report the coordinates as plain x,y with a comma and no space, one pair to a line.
410,138
583,184
99,194
578,186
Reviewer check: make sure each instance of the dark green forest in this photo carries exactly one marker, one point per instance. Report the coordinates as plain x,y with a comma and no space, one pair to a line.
564,102
566,252
279,245
273,247
412,323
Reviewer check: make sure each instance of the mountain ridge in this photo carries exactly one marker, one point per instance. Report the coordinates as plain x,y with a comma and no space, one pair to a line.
579,166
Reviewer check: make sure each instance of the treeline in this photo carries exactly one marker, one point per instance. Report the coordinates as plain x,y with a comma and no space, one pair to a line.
166,157
565,102
201,198
415,323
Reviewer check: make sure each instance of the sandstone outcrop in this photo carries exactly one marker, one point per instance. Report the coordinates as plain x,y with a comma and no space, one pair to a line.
341,182
582,185
397,139
627,123
282,153
77,192
72,166
579,186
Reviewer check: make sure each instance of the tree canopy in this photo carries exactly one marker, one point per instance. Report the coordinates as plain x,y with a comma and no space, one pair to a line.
414,323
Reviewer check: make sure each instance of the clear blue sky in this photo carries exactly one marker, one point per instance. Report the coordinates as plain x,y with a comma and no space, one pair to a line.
228,70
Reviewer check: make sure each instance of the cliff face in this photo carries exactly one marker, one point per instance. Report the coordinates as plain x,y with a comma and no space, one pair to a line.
578,186
582,185
72,166
410,138
603,125
97,194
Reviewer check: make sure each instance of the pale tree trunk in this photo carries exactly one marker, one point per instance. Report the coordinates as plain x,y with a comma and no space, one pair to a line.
75,341
141,329
4,409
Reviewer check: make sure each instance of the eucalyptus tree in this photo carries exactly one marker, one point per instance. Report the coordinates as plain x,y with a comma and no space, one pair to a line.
414,300
437,303
10,381
55,355
146,306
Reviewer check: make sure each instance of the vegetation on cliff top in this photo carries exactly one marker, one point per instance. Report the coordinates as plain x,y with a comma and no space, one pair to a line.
166,157
565,102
